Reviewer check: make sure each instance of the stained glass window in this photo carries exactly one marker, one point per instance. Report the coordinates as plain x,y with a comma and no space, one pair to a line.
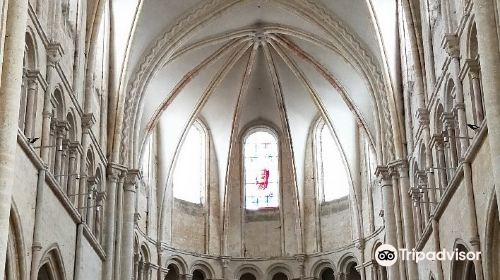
331,172
189,175
261,170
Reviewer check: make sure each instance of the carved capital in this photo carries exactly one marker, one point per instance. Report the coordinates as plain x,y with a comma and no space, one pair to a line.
62,128
423,116
88,120
131,180
437,141
448,120
54,53
91,182
383,174
114,171
451,45
474,68
400,167
74,148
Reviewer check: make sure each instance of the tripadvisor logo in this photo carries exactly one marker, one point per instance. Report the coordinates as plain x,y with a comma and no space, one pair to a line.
386,255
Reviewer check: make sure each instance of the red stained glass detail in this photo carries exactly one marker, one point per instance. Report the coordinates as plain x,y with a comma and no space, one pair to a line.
264,179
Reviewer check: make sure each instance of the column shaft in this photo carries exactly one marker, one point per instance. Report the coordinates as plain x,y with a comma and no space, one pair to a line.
478,101
408,224
389,216
127,251
472,219
489,57
10,95
30,108
397,214
109,222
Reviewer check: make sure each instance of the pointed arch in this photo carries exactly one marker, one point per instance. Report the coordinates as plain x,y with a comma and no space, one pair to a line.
51,265
16,262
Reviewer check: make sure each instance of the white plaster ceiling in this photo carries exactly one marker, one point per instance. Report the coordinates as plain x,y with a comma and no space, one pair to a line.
312,68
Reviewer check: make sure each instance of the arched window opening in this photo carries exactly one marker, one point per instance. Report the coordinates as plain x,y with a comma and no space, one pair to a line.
189,178
261,169
352,272
248,276
173,273
198,275
333,181
477,99
29,88
44,273
463,269
280,276
327,274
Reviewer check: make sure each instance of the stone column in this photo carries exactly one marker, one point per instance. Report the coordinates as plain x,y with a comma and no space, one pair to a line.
137,267
389,217
61,131
429,194
30,106
407,216
91,205
438,144
449,124
63,177
148,270
397,212
487,39
423,188
127,251
416,196
10,96
113,172
74,150
472,218
360,245
53,56
118,225
437,247
475,75
88,120
99,202
452,47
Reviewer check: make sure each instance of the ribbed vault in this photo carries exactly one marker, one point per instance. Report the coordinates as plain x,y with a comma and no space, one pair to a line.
235,64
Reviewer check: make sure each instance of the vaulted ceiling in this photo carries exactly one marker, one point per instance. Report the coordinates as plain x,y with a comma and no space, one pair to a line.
236,62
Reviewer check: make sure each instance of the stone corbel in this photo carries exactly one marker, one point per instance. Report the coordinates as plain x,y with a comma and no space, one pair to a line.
55,52
131,180
382,172
474,68
437,141
448,120
88,120
75,147
62,128
114,171
423,116
451,45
